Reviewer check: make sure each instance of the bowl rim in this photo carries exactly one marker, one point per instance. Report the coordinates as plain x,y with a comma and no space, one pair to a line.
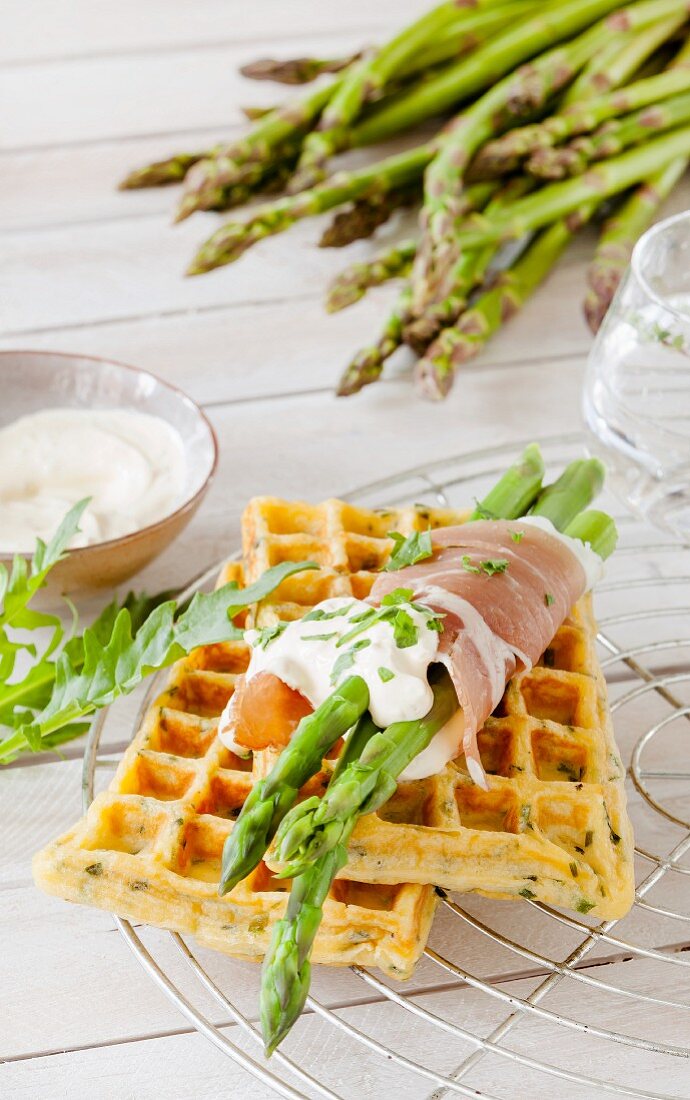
186,505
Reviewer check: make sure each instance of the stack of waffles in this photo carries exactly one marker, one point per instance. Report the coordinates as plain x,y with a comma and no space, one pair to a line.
552,827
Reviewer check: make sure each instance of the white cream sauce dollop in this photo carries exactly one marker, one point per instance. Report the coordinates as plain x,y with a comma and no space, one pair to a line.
131,464
304,657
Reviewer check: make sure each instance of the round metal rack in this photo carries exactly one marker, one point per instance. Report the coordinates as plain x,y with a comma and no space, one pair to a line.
515,999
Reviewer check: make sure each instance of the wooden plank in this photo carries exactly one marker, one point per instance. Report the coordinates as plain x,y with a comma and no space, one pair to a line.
85,275
165,1067
127,97
83,178
131,270
64,30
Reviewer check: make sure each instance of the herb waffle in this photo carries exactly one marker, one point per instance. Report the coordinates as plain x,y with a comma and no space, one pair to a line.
552,826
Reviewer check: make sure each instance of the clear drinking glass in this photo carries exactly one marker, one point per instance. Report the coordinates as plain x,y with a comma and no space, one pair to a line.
637,388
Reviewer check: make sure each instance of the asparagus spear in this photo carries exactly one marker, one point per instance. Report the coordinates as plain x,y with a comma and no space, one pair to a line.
467,273
361,787
355,280
367,365
557,200
612,138
514,494
295,70
161,172
273,796
231,240
616,64
435,372
266,142
563,500
595,528
366,215
466,31
286,970
505,154
254,113
619,235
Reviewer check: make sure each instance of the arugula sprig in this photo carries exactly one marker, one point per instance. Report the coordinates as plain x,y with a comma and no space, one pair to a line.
18,587
71,678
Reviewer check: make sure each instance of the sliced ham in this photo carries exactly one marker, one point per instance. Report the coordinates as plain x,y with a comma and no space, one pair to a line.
494,624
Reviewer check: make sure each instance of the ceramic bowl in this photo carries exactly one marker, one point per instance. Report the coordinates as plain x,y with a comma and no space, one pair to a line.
35,380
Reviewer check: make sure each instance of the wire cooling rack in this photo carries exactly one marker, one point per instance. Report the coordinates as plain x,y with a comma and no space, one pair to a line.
511,999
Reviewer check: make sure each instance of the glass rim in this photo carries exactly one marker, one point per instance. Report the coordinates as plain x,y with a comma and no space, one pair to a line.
636,262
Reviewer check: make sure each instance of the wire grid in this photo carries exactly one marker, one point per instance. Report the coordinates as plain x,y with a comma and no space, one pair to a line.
646,664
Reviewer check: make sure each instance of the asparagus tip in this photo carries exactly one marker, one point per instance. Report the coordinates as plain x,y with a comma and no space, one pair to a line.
186,206
428,382
595,308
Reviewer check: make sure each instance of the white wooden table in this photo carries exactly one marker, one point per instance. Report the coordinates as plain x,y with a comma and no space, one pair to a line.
90,89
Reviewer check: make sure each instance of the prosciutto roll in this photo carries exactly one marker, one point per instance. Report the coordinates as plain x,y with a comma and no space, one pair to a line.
504,588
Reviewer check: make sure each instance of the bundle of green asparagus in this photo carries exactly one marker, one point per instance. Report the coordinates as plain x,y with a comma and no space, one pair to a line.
546,112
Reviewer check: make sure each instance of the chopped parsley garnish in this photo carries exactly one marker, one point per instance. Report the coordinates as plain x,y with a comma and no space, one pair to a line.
385,674
527,893
318,637
490,566
525,812
397,596
589,837
347,659
517,536
404,630
267,633
497,565
573,869
318,614
548,599
393,611
467,565
362,616
408,551
363,620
